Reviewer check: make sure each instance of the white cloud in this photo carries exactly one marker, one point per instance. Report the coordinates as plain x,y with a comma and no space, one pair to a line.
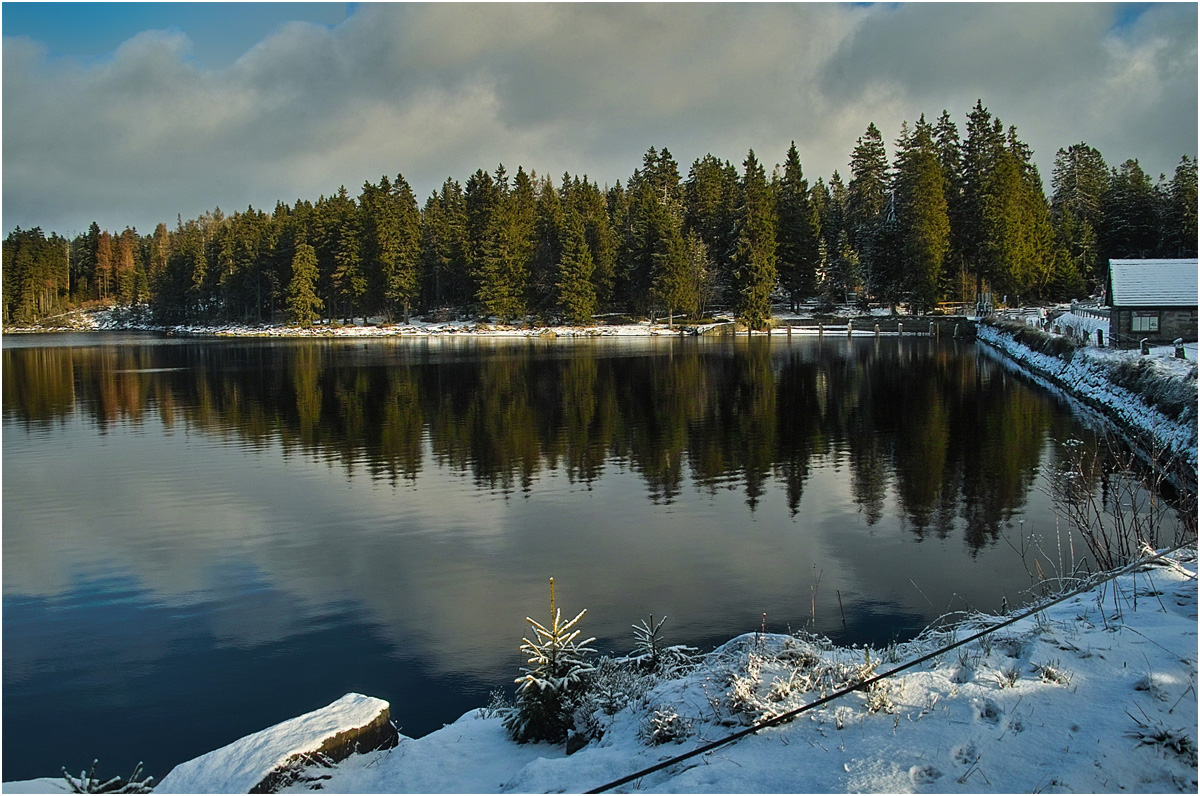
437,90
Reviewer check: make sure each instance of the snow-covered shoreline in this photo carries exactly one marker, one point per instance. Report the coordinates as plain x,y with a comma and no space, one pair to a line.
1094,694
1085,377
123,320
118,320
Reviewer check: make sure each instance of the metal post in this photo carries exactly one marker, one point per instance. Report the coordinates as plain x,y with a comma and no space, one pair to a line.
1145,345
899,328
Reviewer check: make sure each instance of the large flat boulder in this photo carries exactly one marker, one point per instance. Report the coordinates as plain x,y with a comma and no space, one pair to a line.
267,760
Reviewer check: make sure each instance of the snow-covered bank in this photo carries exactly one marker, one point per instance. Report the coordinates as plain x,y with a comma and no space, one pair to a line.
1094,694
1087,375
118,319
134,320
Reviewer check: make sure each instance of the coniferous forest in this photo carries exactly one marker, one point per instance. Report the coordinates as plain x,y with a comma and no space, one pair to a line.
953,215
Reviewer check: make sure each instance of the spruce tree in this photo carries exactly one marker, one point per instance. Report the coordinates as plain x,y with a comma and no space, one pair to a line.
576,293
482,201
508,249
601,239
550,232
949,155
555,674
349,280
1079,182
1131,225
444,248
303,304
392,244
797,232
674,287
1179,214
653,232
921,211
710,204
980,153
754,268
866,196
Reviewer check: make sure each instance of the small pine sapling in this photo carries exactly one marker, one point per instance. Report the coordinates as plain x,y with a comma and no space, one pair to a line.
649,643
550,685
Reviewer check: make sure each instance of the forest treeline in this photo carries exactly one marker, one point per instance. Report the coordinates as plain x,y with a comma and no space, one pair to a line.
950,217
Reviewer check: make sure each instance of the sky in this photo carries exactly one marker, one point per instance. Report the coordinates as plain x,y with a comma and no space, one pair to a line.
131,114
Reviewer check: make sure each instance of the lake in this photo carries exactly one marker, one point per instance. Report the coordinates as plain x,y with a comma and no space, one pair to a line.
205,537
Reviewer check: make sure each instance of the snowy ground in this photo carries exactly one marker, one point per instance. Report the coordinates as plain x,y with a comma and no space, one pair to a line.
115,320
1098,694
118,320
1094,694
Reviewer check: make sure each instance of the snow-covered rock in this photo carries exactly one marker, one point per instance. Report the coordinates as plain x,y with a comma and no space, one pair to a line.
258,762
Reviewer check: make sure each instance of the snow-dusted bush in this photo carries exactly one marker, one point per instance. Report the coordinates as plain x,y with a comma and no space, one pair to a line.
1171,391
1037,340
778,674
665,725
1053,672
1168,740
614,685
88,782
551,685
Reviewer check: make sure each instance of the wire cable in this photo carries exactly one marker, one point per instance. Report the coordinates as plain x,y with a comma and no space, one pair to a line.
783,718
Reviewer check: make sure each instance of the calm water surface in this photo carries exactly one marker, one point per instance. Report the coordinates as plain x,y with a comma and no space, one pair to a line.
205,538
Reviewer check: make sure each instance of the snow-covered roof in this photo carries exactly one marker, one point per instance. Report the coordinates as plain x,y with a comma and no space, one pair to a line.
1153,283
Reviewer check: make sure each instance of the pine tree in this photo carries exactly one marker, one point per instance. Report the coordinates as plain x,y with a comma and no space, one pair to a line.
601,239
1179,215
1080,182
921,211
36,275
980,153
576,293
652,252
754,268
160,248
548,686
444,248
349,278
949,153
797,232
1131,225
674,287
104,264
395,225
509,240
710,204
303,305
549,240
866,197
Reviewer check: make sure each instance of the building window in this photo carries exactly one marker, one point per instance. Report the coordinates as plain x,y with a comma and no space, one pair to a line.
1145,322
